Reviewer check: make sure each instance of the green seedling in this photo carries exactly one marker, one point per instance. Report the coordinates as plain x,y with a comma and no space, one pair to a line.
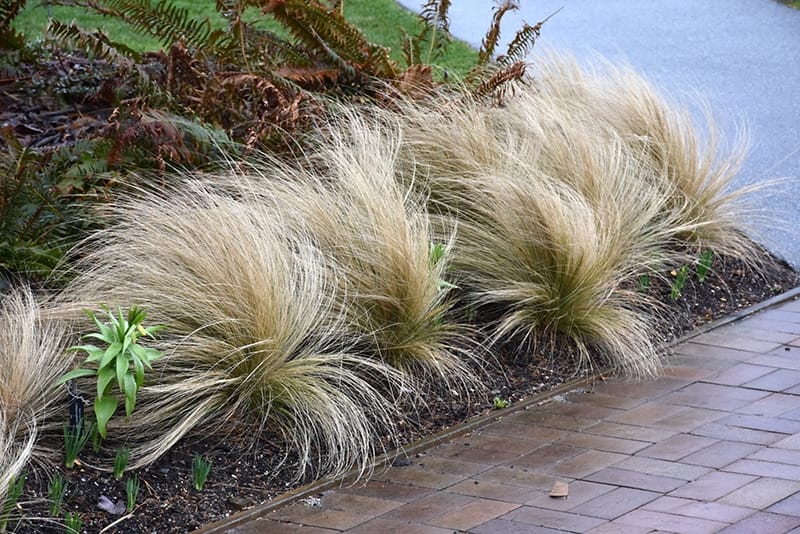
200,469
499,403
72,523
121,358
437,254
12,496
75,439
55,493
679,282
131,493
644,283
704,264
121,461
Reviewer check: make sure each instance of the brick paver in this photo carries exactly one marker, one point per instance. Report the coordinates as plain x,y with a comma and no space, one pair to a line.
711,446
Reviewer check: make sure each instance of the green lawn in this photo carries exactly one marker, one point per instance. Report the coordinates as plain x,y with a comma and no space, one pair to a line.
383,21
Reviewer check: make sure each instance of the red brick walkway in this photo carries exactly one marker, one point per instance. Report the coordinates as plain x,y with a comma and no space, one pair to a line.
711,446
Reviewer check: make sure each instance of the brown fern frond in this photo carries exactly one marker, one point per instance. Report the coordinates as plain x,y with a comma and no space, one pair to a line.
314,77
490,40
522,43
498,82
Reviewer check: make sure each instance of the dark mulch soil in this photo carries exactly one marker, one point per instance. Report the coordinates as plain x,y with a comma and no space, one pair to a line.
242,476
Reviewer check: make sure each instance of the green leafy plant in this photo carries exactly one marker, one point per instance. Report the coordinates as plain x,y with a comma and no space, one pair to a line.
438,253
75,439
498,403
679,282
12,496
122,358
121,461
72,523
56,491
200,469
704,264
644,283
131,493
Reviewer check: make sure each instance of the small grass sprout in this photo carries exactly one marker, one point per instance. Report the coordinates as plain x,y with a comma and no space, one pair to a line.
200,469
120,335
499,403
12,496
56,491
72,523
131,492
679,283
75,439
644,283
438,254
121,461
704,264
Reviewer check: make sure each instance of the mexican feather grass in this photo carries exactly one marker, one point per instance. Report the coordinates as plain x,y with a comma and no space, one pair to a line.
569,190
379,237
31,359
253,330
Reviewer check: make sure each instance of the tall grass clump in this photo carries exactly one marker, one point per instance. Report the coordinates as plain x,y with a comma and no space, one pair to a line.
379,236
558,267
251,337
691,165
32,357
567,191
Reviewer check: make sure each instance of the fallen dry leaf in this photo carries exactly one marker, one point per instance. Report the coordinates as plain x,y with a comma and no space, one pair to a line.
560,490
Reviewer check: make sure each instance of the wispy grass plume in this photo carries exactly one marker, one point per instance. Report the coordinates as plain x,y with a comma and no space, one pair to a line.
32,357
252,328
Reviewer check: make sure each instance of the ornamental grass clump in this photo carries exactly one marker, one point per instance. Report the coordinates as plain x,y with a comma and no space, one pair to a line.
252,339
32,357
567,193
690,165
378,235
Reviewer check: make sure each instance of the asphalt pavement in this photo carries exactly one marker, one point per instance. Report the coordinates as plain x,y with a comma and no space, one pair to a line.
741,58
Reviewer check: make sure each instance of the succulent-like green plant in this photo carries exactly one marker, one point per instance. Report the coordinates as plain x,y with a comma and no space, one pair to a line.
122,358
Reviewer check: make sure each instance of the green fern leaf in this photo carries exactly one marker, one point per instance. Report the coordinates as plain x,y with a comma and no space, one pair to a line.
95,43
9,9
328,33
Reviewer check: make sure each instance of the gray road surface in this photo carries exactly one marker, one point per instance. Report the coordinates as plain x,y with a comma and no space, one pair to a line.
741,56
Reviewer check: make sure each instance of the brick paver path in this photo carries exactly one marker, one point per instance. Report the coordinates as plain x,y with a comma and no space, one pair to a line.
711,446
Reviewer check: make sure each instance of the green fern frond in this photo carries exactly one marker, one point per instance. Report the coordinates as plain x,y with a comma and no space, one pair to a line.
274,50
490,40
9,9
163,20
327,32
95,43
436,21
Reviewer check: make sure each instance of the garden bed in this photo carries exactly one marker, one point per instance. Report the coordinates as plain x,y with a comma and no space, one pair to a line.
243,476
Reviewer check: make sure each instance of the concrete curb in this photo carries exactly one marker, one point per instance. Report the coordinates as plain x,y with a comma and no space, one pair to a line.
472,424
